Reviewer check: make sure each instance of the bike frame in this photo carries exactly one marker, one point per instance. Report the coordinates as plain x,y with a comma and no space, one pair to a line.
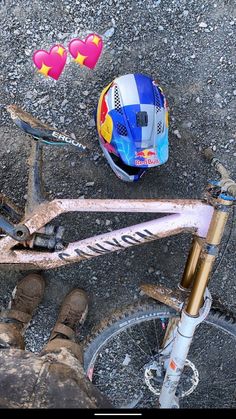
206,221
186,216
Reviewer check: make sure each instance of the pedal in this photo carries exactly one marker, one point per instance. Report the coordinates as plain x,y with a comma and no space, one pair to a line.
172,298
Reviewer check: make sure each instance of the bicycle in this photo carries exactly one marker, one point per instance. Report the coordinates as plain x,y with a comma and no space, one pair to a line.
165,375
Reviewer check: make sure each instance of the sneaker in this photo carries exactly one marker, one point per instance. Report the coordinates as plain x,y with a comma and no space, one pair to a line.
26,296
73,312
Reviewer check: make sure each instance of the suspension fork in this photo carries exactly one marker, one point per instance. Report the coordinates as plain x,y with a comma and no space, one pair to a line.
197,270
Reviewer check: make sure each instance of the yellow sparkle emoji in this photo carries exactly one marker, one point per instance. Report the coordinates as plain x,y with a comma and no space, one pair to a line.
80,58
44,70
60,51
96,40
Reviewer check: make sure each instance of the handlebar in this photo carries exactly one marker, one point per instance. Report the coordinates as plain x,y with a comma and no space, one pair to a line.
227,184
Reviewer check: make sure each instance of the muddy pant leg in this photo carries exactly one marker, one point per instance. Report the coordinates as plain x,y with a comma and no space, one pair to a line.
55,346
69,356
10,336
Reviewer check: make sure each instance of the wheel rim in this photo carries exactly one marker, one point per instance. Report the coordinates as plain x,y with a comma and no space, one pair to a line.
118,369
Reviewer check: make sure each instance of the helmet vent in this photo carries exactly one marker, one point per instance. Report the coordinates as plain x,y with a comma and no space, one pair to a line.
160,127
121,129
117,100
157,100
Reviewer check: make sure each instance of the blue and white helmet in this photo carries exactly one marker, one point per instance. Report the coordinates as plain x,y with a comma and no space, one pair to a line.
132,123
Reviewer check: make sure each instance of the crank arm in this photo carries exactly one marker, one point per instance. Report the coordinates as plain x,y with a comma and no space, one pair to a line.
10,209
19,232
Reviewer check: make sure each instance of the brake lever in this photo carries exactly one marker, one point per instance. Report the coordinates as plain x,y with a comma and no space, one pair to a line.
227,185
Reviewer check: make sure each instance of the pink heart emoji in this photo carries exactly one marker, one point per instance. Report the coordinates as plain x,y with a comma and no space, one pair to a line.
51,63
86,52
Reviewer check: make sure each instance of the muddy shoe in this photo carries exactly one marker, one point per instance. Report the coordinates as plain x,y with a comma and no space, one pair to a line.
26,296
73,312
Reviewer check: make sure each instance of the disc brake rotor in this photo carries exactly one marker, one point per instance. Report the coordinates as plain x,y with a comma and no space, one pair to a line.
154,377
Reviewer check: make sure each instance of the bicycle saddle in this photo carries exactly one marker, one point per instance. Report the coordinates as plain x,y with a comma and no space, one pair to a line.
39,130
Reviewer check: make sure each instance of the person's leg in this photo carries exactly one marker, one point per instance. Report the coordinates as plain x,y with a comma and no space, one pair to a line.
66,359
14,320
73,312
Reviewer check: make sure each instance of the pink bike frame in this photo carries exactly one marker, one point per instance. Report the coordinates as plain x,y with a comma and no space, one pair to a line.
183,216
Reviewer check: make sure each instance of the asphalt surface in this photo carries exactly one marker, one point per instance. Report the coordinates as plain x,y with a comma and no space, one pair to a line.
189,47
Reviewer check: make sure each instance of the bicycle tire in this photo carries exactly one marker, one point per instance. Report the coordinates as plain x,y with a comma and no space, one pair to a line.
112,328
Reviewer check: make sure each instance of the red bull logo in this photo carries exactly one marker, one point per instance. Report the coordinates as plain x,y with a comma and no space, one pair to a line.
145,153
149,162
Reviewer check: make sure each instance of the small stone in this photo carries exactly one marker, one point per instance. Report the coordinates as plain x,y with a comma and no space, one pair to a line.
185,174
177,133
62,119
126,360
214,148
108,222
65,101
44,99
161,28
88,184
91,123
61,35
82,106
187,124
202,25
85,92
98,222
29,95
109,33
185,13
151,270
234,92
165,249
193,56
198,100
96,157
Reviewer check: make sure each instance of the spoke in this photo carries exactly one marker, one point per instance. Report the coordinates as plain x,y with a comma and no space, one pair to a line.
145,338
157,339
123,368
201,351
145,353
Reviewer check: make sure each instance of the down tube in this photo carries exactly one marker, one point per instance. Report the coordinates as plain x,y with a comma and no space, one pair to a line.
106,243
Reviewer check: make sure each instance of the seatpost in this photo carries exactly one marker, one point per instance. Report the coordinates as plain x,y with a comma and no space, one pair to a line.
36,194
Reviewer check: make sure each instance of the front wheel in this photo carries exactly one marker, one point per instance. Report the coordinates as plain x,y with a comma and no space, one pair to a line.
121,358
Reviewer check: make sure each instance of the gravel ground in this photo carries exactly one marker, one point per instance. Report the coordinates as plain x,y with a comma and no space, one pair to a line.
189,46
